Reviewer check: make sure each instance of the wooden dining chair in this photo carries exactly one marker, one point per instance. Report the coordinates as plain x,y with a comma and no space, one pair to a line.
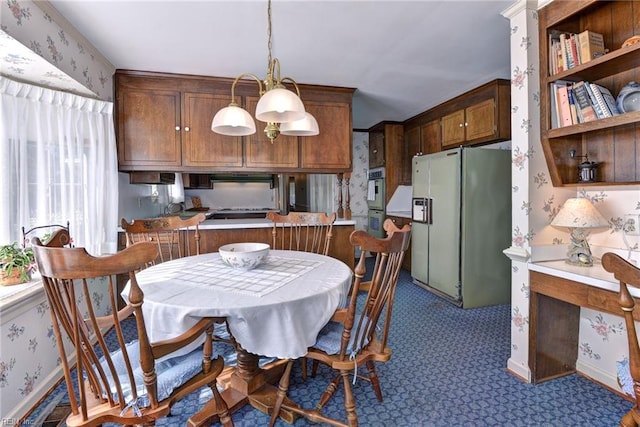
172,235
118,379
357,335
54,235
302,231
629,276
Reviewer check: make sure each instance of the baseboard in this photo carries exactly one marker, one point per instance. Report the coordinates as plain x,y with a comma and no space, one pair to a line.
605,379
31,402
519,370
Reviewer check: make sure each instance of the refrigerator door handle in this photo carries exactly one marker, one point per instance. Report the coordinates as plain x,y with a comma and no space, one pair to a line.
429,208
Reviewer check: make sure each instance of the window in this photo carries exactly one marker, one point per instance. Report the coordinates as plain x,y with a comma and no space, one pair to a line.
59,164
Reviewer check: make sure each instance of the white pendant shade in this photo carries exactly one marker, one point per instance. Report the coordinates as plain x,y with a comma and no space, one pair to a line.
279,106
308,126
233,121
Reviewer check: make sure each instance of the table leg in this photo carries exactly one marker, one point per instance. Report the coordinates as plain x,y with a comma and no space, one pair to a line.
248,384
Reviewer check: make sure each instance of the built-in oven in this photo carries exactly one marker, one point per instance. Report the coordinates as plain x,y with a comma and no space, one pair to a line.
376,202
376,189
375,219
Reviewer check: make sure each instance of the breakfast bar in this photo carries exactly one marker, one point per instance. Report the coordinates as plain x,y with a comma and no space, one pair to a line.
217,232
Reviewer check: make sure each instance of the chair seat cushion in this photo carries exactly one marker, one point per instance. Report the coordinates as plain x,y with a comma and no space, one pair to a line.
624,377
330,338
171,373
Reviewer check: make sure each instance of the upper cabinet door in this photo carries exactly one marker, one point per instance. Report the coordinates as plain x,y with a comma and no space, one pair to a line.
201,147
261,153
481,120
376,149
453,128
331,149
149,129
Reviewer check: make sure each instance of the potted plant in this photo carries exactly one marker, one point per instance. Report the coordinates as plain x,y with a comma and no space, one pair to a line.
16,264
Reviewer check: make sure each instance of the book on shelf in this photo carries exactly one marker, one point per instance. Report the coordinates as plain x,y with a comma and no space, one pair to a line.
591,45
583,102
568,50
572,106
563,51
563,105
553,102
600,113
605,97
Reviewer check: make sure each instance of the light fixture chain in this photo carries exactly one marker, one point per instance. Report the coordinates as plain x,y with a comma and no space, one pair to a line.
269,34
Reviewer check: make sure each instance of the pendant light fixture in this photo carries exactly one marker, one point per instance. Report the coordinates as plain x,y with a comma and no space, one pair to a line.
280,108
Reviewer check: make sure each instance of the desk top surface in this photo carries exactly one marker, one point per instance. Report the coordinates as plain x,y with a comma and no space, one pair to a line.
594,276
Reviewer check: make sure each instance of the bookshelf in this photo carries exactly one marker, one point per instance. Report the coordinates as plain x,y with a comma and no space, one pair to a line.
613,142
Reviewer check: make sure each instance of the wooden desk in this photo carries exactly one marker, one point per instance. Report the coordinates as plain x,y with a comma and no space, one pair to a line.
558,291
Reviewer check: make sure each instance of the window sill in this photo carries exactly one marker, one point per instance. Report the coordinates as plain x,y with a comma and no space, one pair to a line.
16,299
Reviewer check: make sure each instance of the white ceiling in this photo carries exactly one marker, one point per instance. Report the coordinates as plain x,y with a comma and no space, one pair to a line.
403,57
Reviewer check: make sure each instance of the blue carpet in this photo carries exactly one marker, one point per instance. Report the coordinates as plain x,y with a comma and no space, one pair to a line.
447,369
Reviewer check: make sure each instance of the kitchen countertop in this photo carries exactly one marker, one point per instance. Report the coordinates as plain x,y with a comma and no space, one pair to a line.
221,224
230,224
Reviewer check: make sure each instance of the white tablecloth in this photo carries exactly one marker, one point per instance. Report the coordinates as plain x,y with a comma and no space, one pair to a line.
279,323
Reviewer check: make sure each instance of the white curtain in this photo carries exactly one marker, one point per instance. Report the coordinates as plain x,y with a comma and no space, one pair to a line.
58,163
322,190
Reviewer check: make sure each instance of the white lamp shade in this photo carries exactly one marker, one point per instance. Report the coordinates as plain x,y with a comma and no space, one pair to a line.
279,105
579,213
233,121
308,126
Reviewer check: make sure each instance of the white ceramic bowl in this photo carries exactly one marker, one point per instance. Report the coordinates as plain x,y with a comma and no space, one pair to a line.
244,256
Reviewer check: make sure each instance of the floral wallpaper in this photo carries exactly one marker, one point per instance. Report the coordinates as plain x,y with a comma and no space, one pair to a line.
29,358
359,180
41,48
602,338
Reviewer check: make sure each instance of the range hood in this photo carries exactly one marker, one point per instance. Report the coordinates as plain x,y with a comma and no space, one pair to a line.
245,177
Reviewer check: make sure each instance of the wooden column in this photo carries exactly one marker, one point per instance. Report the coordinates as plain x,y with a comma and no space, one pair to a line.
347,197
340,208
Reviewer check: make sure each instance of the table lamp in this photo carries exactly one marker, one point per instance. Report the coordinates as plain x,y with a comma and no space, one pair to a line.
578,215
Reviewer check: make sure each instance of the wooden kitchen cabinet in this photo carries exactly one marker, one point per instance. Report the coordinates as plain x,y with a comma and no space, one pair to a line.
261,153
163,123
331,150
475,123
201,147
420,140
376,149
390,138
613,142
149,129
478,117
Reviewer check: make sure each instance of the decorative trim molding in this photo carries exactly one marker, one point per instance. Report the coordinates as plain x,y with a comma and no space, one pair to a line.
515,253
520,371
520,6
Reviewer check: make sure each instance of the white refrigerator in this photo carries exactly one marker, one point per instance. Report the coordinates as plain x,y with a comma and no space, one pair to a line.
461,223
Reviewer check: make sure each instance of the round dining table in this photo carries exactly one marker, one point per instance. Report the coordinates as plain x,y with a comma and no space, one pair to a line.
274,310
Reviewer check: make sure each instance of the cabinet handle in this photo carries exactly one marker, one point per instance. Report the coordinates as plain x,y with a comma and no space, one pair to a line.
177,127
460,125
186,128
375,151
466,124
